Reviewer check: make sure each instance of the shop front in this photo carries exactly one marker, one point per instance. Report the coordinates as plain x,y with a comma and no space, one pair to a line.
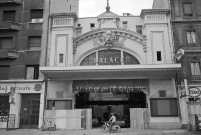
23,101
137,94
107,96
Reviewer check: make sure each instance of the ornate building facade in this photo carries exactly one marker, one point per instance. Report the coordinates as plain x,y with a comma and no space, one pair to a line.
109,63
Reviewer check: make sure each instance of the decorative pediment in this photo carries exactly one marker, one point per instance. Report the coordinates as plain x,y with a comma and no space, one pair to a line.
109,37
108,14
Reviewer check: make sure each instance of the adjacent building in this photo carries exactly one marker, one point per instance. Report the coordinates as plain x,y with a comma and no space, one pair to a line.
110,63
186,27
21,90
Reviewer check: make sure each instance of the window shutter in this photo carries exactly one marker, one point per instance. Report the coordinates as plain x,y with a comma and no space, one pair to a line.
34,41
4,73
9,16
36,14
6,42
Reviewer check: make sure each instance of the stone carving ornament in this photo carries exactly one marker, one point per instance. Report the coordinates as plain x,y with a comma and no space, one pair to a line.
109,39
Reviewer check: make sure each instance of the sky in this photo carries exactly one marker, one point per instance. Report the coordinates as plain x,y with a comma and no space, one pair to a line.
93,8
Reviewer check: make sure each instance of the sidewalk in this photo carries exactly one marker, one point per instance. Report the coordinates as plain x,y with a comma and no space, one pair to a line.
124,131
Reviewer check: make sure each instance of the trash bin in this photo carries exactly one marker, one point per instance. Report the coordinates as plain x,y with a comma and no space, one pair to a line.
198,122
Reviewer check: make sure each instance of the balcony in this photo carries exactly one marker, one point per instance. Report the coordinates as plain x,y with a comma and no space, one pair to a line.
8,54
9,26
11,2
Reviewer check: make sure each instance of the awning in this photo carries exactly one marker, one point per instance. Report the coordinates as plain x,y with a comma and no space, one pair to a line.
110,72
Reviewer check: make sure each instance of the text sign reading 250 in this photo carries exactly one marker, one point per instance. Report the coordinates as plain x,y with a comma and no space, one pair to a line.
194,92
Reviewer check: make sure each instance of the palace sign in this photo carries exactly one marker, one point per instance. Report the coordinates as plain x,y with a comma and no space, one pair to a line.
194,91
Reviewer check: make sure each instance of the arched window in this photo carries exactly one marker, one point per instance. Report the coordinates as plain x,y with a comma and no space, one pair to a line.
109,57
89,60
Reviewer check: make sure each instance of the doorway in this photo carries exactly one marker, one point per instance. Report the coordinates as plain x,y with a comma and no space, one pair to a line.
29,116
102,104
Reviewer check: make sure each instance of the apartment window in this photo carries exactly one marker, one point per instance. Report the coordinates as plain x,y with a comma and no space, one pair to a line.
159,58
195,68
188,8
4,72
36,16
78,31
139,29
4,107
162,93
125,23
59,104
61,58
92,25
34,42
6,43
9,16
32,72
191,37
158,109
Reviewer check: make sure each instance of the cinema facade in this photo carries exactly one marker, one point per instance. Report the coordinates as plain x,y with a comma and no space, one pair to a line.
109,63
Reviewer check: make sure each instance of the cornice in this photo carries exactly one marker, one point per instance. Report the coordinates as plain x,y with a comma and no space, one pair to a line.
154,11
58,15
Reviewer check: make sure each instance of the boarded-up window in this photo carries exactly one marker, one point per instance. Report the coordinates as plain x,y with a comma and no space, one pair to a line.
195,68
163,107
9,16
6,43
59,104
191,37
4,72
32,72
34,42
188,9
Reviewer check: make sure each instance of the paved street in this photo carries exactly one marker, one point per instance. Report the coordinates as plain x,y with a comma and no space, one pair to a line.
95,132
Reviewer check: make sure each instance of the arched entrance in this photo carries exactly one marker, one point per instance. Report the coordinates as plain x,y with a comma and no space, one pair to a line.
110,95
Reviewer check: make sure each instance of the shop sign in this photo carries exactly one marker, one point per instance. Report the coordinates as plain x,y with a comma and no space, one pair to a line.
110,89
110,86
194,92
20,87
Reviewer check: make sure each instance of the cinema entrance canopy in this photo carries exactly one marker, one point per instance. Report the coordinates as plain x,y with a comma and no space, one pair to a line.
111,72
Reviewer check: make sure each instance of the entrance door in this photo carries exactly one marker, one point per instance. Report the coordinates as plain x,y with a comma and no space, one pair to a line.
30,111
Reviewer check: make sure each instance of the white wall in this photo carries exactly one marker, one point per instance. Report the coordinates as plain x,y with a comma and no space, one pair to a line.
167,85
64,6
132,22
61,42
59,86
